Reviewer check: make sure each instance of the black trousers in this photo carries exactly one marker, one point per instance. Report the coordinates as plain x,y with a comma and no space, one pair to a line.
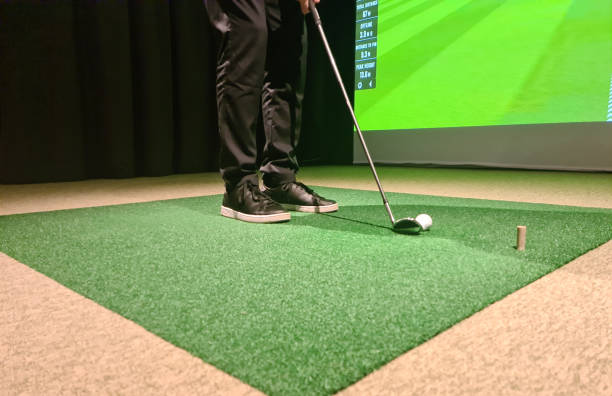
261,63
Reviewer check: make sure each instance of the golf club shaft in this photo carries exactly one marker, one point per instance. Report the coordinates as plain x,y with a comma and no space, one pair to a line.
317,20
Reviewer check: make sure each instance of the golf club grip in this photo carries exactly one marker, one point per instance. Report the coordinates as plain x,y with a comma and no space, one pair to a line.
314,12
330,55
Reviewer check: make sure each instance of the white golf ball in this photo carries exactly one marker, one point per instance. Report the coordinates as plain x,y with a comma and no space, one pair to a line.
424,220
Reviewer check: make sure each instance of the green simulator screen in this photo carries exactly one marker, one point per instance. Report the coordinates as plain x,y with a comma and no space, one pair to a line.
453,63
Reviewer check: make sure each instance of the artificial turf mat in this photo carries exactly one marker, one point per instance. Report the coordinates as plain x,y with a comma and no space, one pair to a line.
309,306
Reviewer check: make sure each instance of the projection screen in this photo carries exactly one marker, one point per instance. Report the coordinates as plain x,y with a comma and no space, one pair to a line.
495,83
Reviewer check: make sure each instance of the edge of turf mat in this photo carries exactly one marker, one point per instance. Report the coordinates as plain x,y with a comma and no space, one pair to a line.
310,306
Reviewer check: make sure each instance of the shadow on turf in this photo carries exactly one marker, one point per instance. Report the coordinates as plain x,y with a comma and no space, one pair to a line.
551,230
367,219
551,233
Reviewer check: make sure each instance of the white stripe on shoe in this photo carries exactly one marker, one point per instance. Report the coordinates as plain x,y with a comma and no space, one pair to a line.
312,209
250,218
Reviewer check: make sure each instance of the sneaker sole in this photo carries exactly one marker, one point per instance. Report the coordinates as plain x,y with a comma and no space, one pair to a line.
272,218
311,209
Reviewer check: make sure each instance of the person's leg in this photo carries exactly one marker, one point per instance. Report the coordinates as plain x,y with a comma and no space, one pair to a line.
282,105
285,72
241,58
242,31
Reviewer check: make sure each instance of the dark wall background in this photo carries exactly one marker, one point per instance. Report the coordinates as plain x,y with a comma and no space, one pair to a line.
116,88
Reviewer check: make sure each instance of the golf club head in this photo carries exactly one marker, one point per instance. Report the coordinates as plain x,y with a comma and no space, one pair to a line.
407,226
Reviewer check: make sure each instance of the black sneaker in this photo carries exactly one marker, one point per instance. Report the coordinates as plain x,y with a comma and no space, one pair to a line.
299,197
247,203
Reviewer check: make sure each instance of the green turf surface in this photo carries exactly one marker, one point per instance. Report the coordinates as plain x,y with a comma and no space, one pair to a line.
309,306
489,62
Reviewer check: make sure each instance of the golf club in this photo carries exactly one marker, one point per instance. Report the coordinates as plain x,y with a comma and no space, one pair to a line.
406,225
